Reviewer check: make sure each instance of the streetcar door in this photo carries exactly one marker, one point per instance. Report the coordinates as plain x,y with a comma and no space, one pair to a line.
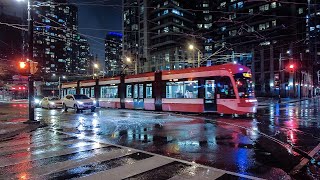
138,96
210,97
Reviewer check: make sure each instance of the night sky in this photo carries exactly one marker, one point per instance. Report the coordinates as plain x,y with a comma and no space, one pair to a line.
99,14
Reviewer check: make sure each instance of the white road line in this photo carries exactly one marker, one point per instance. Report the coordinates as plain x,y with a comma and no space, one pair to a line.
35,145
198,174
16,142
178,160
305,161
11,161
40,172
129,170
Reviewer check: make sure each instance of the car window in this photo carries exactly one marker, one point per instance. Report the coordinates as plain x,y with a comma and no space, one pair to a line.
54,99
81,97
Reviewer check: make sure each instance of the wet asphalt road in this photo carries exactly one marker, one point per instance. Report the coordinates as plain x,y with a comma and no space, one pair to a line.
269,146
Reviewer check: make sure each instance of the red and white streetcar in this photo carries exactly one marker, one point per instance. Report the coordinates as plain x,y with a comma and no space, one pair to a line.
224,89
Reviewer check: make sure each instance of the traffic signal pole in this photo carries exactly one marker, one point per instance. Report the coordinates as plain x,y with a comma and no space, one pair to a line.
30,58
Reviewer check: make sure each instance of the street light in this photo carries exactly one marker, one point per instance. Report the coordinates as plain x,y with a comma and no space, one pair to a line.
63,77
192,47
30,57
59,83
129,60
95,66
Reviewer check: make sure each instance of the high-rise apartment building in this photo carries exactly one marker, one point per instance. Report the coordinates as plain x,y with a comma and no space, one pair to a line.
84,58
157,38
113,54
55,37
273,33
312,37
266,36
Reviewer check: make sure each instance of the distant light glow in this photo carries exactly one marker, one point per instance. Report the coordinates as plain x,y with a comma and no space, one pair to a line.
240,69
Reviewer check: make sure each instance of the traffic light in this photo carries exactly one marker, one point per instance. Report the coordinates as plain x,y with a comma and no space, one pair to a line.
291,68
23,68
22,65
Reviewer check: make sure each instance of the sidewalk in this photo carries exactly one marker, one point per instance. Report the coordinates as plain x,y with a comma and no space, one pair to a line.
20,101
263,101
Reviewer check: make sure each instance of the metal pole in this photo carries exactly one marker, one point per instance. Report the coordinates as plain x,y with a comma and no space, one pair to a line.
279,100
92,71
30,57
59,88
198,58
135,67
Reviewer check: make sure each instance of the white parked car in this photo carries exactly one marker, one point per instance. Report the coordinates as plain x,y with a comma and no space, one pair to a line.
51,103
78,102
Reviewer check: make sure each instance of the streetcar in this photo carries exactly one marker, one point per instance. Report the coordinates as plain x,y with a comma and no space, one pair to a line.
223,89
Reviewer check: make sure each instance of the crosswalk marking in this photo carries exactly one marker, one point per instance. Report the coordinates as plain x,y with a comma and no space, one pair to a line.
30,140
27,147
128,170
198,173
51,154
10,161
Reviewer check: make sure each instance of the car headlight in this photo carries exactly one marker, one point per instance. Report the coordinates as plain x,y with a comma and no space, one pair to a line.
51,103
94,102
79,102
37,101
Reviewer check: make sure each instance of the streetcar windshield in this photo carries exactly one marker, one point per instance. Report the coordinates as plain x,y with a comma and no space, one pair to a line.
245,85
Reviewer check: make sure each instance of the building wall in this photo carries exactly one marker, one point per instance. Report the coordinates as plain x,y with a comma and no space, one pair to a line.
55,38
274,32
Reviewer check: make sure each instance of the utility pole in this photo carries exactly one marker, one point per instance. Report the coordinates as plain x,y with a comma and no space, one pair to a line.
30,59
280,71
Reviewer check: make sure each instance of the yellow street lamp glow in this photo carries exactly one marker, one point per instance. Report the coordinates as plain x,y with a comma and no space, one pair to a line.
95,65
128,59
191,47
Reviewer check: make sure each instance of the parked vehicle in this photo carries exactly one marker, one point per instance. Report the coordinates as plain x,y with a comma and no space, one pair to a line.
78,102
51,103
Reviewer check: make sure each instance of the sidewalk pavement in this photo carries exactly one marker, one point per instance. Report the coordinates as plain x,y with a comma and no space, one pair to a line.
265,101
20,101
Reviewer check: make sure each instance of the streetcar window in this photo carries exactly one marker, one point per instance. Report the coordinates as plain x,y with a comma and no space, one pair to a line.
209,89
244,85
186,89
92,92
140,90
71,91
135,91
129,91
225,88
149,91
174,90
109,92
191,89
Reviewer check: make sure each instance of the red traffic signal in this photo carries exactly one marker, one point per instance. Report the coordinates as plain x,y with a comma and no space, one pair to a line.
22,65
291,66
